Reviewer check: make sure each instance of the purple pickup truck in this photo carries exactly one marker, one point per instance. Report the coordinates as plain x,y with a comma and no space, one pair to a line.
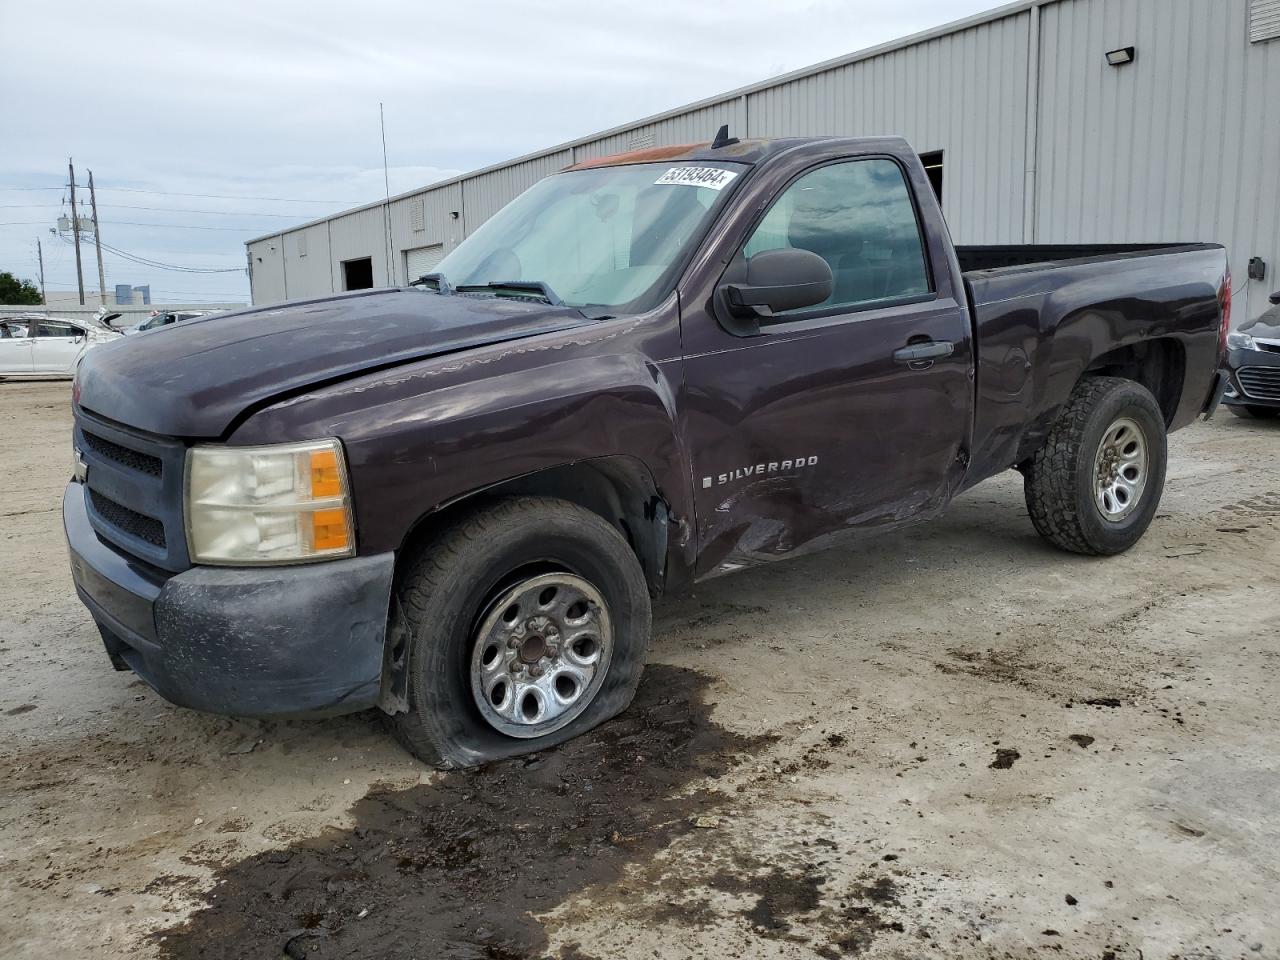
455,501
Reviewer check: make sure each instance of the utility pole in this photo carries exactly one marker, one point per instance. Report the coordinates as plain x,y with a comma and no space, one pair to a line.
75,229
44,300
97,241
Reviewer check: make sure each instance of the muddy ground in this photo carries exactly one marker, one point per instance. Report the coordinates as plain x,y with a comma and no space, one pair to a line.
952,742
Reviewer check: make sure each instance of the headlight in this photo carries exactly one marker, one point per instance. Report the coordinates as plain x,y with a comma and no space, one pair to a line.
284,503
1240,341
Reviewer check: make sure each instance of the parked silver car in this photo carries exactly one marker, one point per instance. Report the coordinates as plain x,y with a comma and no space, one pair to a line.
36,346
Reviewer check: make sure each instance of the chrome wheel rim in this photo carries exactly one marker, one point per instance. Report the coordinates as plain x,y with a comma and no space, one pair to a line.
541,654
1120,470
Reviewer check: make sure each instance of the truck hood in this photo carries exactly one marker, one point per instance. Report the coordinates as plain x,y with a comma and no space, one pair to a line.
193,379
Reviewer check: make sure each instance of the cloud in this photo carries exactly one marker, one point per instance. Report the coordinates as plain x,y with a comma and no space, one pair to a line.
281,100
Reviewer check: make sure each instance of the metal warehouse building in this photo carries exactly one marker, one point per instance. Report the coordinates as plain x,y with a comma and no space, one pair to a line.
1044,121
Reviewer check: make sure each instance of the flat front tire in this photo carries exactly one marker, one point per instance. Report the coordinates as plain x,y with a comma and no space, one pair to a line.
528,623
1094,485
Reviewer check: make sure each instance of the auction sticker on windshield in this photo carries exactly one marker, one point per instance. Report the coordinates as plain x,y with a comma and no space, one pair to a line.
708,177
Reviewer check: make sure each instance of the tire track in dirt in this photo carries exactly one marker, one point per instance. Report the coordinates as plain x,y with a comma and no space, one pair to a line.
460,867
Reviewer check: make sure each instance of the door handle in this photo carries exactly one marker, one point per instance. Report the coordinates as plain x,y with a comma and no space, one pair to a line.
920,356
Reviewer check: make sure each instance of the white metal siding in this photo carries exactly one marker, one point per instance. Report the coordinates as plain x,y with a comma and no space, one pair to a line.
352,236
1264,20
311,273
266,270
964,94
695,126
1180,144
485,195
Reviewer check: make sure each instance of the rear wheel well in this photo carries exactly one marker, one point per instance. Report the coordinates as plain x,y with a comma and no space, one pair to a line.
618,489
1158,365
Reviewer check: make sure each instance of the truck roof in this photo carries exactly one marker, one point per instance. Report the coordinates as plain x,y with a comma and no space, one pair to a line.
739,151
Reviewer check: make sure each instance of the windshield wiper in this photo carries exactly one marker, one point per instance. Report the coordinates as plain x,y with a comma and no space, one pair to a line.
521,288
433,281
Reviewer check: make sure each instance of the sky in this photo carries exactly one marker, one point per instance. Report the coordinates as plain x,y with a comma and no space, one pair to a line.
207,124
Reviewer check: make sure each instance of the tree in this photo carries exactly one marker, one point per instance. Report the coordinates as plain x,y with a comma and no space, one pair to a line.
14,291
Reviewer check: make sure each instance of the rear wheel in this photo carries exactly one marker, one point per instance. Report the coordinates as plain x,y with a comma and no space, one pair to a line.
528,622
1094,486
1254,413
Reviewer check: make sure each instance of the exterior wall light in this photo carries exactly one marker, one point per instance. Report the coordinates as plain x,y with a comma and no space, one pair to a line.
1118,58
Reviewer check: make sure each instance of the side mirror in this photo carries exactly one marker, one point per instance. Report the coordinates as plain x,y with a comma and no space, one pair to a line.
779,280
1275,298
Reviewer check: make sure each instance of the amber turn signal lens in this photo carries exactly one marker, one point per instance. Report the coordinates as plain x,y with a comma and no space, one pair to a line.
329,530
326,478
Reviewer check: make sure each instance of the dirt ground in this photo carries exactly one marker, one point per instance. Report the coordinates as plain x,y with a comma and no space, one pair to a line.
953,741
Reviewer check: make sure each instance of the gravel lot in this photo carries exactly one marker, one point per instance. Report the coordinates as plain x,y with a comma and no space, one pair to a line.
950,742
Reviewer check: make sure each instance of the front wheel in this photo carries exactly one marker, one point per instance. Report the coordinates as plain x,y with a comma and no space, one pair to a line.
1094,485
528,625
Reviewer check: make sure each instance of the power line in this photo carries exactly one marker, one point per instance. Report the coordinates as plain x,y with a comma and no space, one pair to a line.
134,223
131,206
227,196
175,226
187,293
160,265
221,213
206,196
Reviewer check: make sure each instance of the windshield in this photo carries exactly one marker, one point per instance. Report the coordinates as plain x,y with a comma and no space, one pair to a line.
610,237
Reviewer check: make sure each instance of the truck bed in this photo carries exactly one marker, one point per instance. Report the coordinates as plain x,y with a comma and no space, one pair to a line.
996,257
1043,314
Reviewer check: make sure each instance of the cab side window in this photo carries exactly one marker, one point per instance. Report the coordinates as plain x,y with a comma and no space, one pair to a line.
47,328
858,216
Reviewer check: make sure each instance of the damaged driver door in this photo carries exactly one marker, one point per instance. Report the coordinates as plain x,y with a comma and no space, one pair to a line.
849,414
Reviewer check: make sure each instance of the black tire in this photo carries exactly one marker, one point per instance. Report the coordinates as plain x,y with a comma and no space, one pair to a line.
1254,413
1059,480
446,589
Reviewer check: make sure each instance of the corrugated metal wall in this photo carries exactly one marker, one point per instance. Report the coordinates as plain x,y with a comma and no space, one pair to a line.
965,94
1042,140
353,236
693,126
266,272
308,259
486,194
1181,144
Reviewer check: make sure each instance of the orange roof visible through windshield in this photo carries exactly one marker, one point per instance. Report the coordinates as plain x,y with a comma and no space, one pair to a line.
640,156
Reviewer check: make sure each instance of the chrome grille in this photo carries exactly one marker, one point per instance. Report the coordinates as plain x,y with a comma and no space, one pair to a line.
1260,383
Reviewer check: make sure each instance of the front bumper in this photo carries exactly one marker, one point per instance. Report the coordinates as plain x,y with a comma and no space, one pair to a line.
1262,369
261,641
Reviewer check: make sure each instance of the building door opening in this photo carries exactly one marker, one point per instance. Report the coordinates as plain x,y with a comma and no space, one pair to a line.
933,170
421,261
357,274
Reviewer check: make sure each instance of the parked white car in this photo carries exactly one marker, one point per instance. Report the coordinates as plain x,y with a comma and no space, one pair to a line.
166,318
38,346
